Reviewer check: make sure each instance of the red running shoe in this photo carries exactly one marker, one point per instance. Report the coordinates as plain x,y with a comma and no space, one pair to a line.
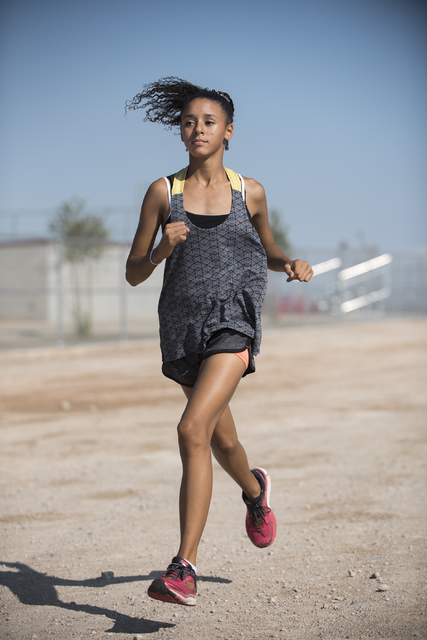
260,520
177,585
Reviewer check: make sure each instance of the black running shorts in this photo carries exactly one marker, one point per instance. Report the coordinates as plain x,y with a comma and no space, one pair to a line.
185,370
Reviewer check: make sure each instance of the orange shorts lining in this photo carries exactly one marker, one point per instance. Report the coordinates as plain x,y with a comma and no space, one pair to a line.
244,355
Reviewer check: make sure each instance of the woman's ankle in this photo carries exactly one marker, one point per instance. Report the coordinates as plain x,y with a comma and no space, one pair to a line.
254,490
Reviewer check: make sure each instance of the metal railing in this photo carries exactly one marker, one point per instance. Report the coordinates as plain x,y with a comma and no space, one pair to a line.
45,299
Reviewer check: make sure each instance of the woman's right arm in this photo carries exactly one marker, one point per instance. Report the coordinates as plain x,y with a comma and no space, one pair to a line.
154,212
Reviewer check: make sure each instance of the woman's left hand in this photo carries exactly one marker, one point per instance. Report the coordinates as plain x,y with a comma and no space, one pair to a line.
298,270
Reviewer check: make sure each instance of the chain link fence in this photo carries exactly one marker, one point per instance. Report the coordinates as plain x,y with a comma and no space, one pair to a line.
46,299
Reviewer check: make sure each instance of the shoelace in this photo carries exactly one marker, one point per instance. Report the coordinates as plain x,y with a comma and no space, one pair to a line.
257,516
177,570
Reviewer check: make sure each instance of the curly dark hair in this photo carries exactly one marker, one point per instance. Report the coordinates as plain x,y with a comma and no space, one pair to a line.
165,99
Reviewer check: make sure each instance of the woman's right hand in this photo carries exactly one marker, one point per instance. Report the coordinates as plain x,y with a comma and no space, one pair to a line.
174,233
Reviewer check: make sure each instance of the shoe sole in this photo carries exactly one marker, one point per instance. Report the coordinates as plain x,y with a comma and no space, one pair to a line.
159,591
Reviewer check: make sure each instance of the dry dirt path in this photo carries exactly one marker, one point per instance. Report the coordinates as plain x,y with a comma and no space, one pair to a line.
90,475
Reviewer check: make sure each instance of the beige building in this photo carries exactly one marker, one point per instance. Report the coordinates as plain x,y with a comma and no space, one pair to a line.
40,289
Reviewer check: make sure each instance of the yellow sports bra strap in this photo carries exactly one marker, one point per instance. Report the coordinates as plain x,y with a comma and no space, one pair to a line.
178,181
234,179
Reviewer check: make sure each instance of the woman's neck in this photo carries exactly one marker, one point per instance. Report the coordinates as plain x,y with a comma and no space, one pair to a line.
207,189
206,171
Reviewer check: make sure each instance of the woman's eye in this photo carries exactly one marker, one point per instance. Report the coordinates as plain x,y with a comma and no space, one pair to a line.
209,122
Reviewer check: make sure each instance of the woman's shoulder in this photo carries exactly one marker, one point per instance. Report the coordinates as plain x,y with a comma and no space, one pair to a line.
164,180
254,189
156,184
160,183
158,194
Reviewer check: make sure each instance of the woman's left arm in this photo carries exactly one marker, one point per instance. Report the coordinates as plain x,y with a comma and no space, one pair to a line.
276,259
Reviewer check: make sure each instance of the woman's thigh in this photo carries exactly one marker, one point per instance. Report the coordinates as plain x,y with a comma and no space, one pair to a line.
215,385
225,433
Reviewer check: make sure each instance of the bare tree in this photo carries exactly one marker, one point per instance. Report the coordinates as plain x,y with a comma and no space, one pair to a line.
84,237
280,231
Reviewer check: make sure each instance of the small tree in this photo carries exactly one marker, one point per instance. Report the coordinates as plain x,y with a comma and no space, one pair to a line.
280,231
84,236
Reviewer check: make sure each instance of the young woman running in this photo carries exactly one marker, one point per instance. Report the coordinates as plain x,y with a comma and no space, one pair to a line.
217,244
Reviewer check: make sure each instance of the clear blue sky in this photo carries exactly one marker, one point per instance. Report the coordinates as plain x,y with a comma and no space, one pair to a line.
330,96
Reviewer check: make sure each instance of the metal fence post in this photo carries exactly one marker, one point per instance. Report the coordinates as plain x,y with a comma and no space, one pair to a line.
59,295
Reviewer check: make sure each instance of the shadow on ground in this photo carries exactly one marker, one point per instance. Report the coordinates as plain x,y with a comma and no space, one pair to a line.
34,588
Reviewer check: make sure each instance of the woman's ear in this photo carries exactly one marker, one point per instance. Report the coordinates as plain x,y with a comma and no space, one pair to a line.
229,131
228,135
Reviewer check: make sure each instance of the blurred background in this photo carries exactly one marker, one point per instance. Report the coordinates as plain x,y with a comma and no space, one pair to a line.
331,103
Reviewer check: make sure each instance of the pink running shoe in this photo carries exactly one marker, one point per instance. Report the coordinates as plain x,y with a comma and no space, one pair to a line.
260,520
177,585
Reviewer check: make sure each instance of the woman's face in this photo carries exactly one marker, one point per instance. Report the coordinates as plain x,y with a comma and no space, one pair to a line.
204,127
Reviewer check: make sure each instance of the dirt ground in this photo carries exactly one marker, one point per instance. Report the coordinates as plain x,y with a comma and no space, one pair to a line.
90,475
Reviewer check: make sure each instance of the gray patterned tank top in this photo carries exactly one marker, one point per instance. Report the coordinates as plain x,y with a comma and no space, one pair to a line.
216,279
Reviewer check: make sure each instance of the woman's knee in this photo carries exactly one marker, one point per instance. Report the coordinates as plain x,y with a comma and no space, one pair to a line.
224,446
192,435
